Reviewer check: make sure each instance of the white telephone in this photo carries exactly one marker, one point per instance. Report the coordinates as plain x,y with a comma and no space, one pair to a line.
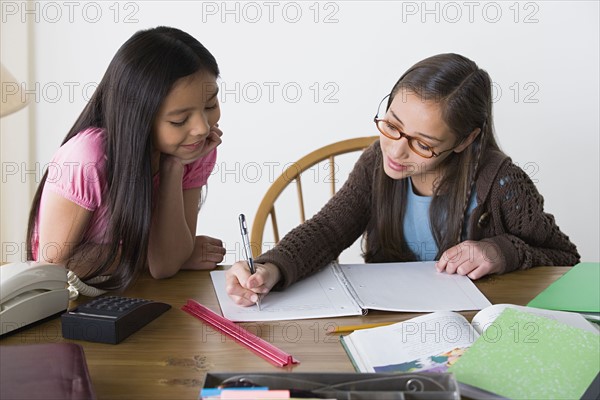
29,292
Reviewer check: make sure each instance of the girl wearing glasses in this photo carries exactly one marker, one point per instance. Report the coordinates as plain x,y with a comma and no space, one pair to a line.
435,186
122,193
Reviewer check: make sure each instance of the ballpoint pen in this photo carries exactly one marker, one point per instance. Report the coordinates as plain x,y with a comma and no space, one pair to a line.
248,249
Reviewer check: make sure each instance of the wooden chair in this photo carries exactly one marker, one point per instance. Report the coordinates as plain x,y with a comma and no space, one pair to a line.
293,173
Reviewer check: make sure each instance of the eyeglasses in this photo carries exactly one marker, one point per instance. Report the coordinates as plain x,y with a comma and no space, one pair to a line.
391,131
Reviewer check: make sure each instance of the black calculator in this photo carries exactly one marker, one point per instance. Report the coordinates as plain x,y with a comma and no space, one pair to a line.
110,319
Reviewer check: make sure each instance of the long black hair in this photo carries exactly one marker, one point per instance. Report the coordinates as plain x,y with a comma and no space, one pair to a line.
125,105
464,94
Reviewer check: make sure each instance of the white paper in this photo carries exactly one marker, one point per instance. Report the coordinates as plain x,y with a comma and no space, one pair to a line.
486,317
319,296
400,287
412,287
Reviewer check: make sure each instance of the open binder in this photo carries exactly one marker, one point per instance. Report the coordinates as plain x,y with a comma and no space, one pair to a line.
351,289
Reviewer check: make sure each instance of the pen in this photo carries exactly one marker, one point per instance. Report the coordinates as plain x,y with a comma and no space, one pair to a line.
248,249
350,328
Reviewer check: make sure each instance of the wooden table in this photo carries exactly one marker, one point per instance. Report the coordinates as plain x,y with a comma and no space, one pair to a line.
170,357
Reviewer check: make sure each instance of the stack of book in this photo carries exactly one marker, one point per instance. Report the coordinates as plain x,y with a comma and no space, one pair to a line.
507,351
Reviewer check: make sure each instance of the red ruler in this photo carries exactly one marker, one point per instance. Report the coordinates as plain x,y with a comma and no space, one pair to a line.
261,347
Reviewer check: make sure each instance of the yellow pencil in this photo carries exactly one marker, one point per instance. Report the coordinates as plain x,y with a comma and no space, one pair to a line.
350,328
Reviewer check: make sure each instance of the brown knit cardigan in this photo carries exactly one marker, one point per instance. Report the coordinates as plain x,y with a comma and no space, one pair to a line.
509,214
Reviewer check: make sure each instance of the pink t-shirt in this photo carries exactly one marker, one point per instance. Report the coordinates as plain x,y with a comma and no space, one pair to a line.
77,172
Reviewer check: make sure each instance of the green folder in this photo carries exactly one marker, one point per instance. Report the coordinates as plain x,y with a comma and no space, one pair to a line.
578,290
526,356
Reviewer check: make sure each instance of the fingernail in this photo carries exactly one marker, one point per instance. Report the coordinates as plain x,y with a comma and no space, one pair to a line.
254,298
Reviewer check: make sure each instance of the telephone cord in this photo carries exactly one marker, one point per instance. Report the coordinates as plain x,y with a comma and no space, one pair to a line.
77,286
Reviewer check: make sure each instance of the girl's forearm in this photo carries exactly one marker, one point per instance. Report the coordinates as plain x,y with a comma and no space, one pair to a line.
171,241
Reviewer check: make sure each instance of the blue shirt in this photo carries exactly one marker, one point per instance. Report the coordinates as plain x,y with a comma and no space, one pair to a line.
417,226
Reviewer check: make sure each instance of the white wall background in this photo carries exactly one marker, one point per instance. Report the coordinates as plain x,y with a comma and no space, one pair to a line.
298,75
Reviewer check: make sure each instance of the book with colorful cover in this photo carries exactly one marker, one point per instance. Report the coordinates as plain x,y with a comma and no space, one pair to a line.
528,356
433,342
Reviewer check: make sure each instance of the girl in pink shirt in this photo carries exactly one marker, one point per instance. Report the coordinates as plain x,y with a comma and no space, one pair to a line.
122,193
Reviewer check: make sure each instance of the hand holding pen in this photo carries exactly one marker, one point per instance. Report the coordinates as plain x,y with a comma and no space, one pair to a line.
248,249
245,290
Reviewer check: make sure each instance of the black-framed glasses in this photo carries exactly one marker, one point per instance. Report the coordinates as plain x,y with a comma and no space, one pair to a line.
391,131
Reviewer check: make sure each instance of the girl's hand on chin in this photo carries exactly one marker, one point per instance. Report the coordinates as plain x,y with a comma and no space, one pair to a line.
213,139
